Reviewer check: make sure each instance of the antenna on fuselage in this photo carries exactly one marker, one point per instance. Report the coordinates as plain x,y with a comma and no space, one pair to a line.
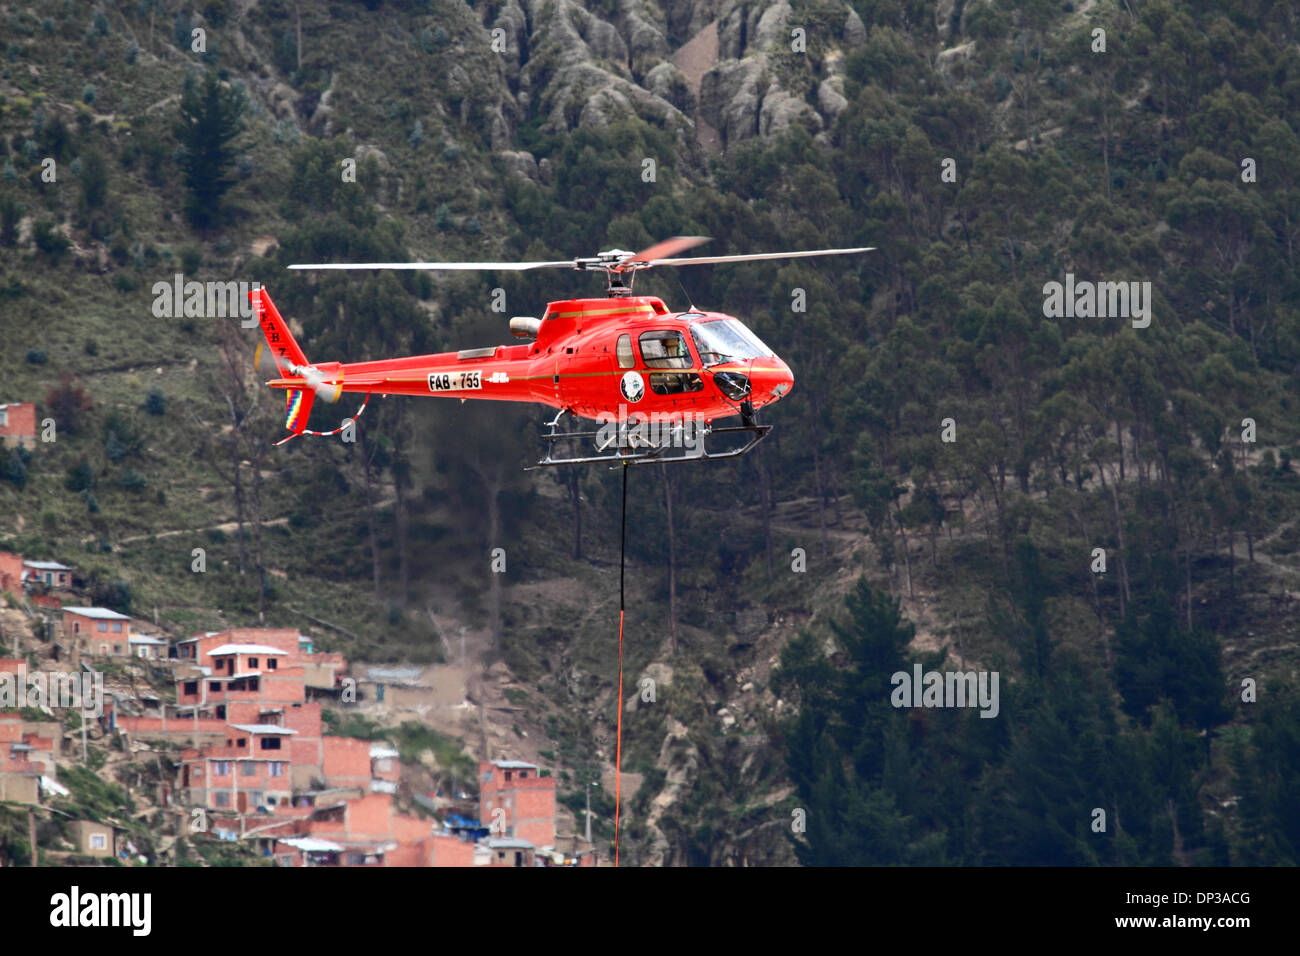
690,304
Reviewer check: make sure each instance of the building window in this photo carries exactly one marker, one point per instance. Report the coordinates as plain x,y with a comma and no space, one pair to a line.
103,625
252,662
98,841
523,774
221,798
277,768
4,417
270,743
191,687
507,776
221,768
271,663
221,711
241,741
117,627
117,648
286,861
247,768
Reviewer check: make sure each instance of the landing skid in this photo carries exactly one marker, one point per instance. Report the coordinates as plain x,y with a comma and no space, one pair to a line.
628,447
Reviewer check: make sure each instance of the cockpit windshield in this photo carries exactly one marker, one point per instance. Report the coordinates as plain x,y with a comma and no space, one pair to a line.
726,340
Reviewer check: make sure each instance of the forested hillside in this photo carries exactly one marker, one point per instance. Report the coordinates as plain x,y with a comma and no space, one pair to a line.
954,452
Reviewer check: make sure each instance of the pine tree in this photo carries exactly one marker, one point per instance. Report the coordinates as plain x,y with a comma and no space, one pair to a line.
211,120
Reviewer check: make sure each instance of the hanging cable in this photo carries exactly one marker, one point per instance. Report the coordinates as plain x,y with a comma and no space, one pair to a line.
618,752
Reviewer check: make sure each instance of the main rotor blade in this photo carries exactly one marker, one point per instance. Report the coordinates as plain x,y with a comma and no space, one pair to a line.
755,257
462,266
660,249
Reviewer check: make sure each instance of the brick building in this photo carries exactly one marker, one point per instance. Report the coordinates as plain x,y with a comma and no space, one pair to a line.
20,776
95,839
18,424
11,573
365,831
50,573
97,631
526,798
142,645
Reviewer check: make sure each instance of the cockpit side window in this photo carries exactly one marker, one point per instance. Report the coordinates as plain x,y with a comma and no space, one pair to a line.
624,352
665,349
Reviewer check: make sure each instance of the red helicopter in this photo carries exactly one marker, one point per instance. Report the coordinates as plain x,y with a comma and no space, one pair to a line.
654,380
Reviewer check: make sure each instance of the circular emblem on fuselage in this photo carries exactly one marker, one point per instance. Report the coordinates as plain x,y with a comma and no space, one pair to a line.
632,387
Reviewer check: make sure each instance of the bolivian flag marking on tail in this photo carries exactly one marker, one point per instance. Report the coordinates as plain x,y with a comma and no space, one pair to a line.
297,408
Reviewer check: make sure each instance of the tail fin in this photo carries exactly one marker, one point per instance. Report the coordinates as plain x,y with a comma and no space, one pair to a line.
287,355
284,349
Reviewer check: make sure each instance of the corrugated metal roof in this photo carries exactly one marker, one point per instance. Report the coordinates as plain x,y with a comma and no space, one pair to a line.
393,673
507,843
245,649
312,845
99,613
264,729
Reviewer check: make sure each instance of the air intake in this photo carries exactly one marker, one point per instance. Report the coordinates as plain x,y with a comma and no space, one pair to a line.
525,327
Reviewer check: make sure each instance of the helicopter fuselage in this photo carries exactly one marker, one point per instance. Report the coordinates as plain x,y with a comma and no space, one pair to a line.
599,358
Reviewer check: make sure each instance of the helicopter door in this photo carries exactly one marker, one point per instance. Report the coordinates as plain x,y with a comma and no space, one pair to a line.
667,349
629,382
582,367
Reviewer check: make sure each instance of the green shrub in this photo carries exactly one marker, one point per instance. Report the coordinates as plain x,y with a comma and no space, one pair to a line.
81,477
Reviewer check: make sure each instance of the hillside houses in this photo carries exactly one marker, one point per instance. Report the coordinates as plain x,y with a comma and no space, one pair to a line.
29,749
19,576
248,747
249,705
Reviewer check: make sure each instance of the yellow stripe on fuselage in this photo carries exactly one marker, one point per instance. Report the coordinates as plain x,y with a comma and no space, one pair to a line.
638,309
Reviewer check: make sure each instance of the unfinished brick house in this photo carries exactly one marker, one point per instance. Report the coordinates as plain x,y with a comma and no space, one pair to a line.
365,831
525,799
20,776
